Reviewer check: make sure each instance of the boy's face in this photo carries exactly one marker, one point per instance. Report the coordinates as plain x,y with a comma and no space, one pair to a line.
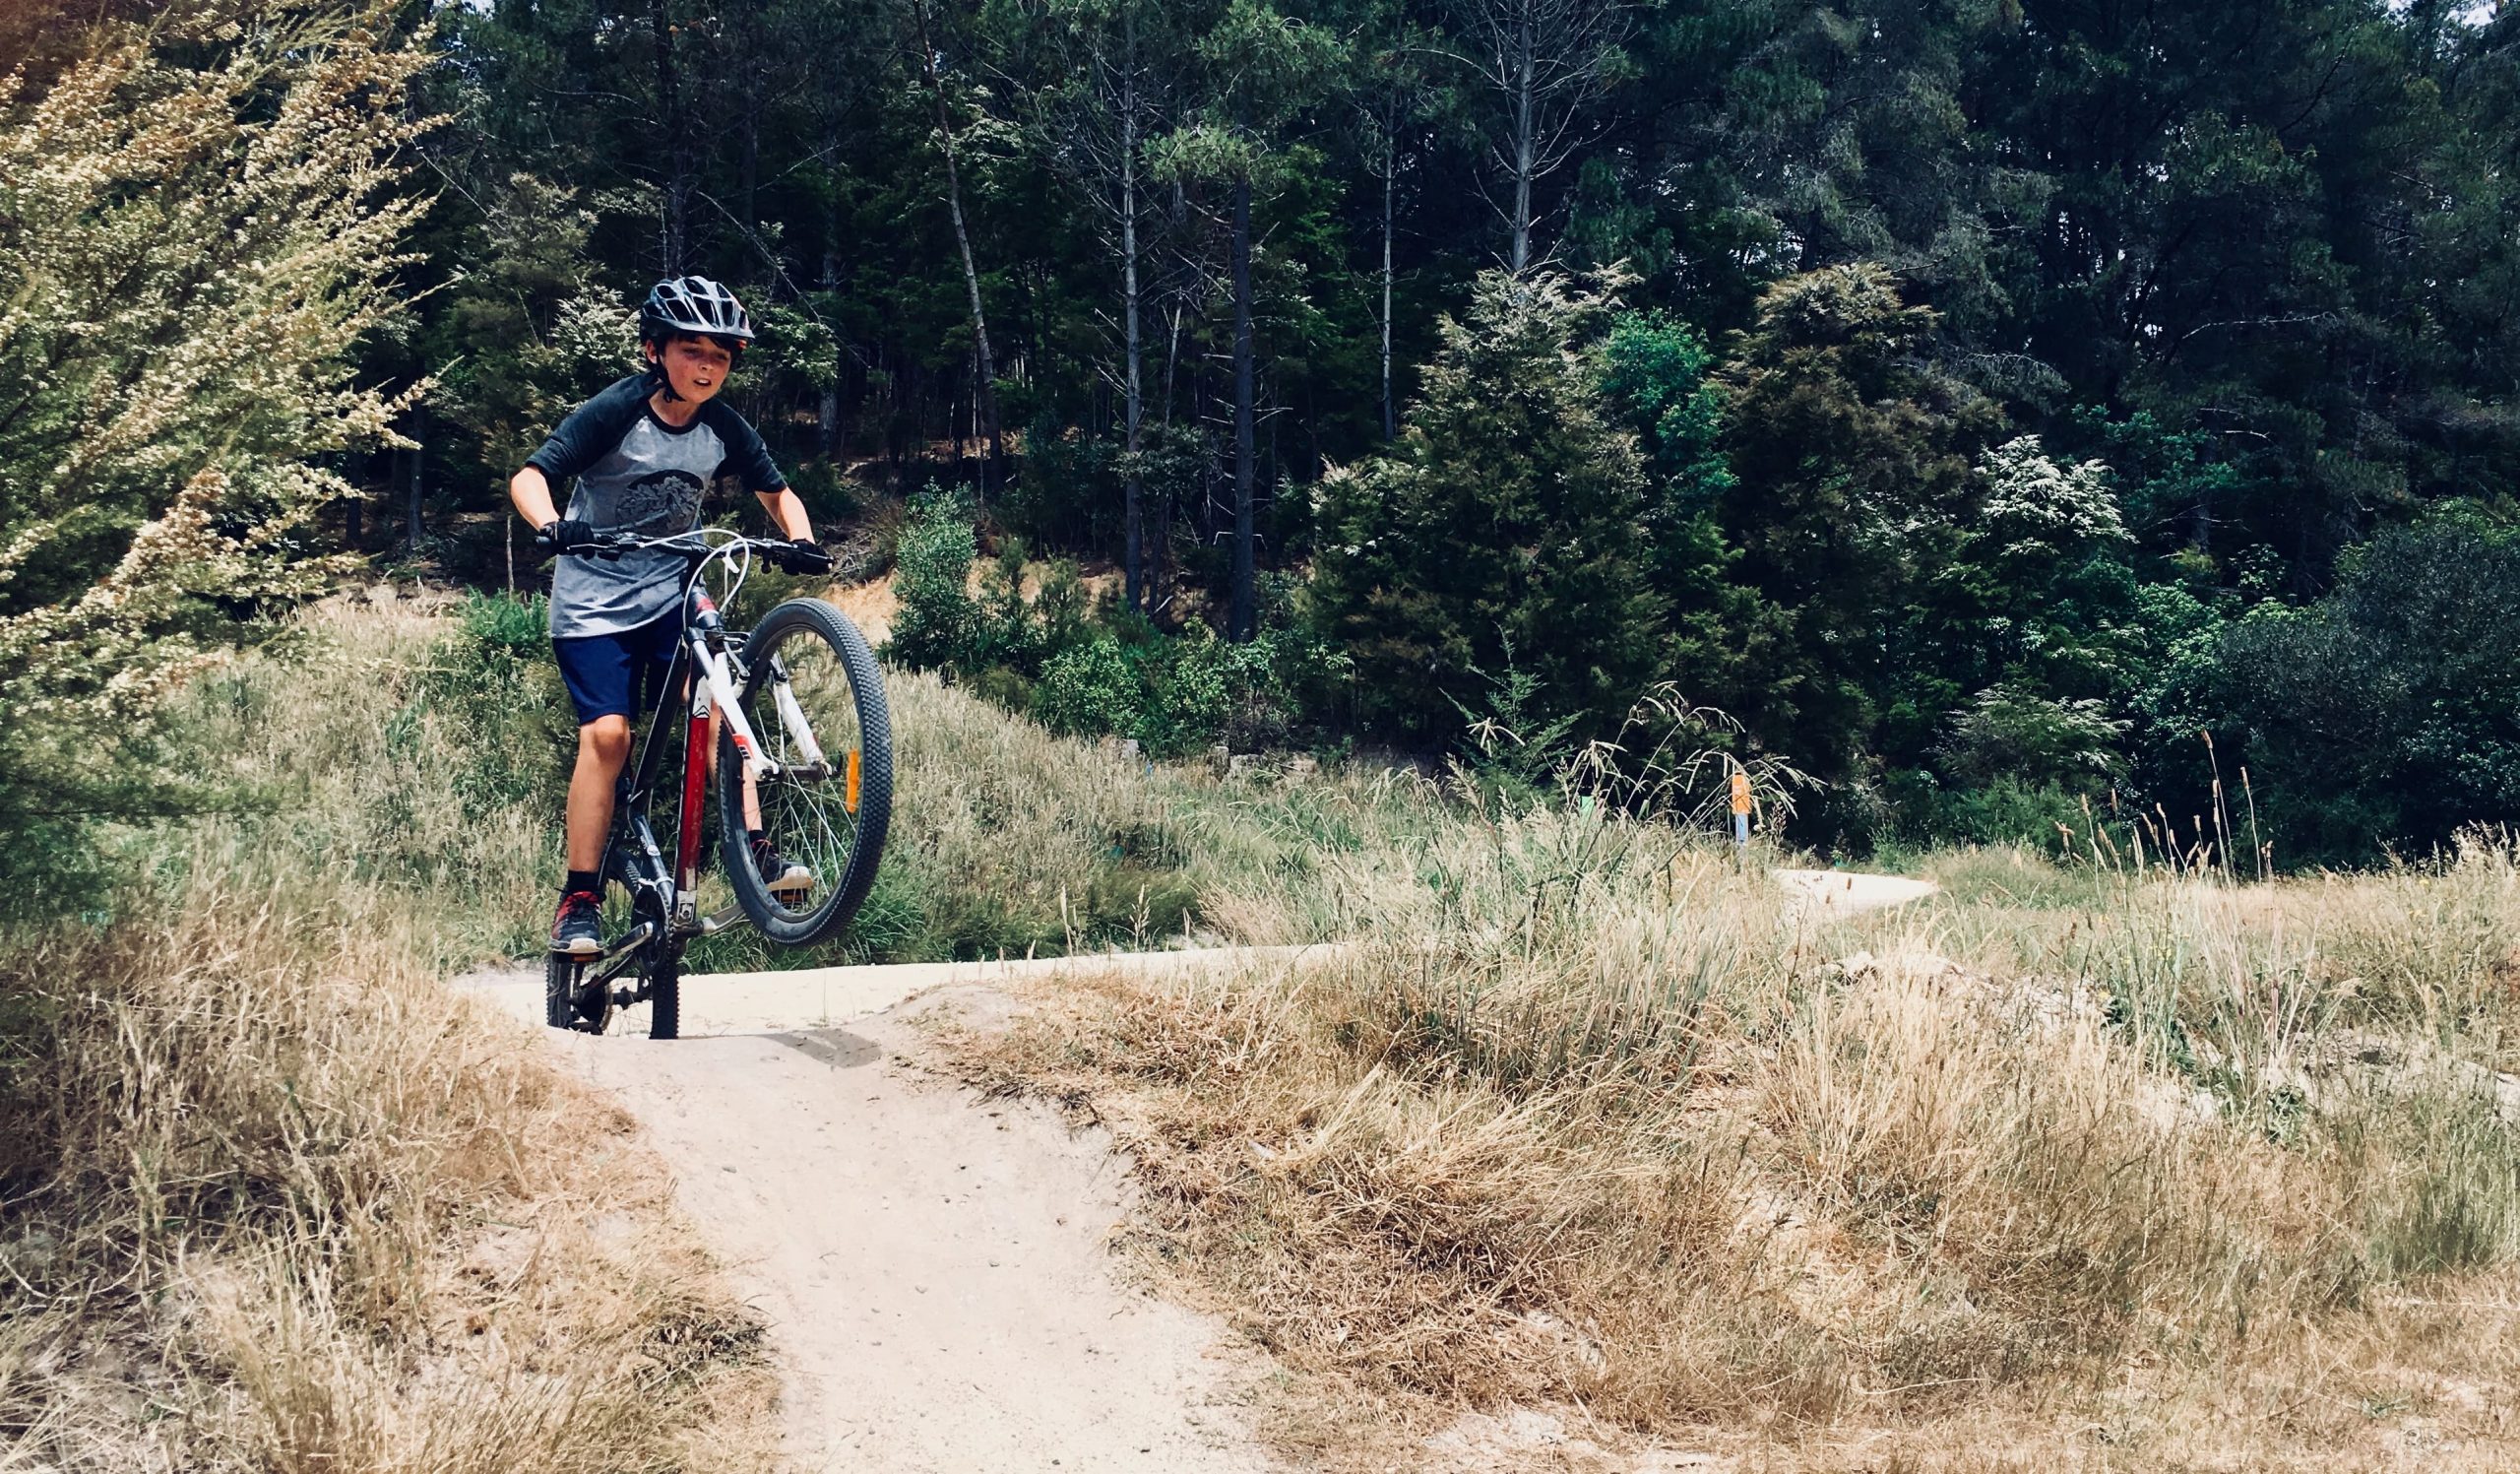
697,366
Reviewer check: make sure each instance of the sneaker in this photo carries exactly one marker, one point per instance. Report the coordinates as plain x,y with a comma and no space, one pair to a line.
779,874
578,929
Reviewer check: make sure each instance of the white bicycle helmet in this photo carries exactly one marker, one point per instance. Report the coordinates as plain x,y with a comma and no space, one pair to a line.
693,304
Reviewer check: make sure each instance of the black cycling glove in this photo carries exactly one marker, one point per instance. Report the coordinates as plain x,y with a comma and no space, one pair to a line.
562,534
805,556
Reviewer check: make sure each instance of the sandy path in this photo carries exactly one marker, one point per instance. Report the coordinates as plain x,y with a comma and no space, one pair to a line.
934,1266
1847,892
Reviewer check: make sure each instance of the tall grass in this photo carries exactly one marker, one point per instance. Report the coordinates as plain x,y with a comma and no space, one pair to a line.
1584,1115
1590,1115
272,1195
276,1197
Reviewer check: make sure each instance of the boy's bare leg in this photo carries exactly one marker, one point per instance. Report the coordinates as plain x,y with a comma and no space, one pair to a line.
604,746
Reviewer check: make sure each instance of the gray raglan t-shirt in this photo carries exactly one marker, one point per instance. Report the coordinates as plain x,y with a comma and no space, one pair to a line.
638,474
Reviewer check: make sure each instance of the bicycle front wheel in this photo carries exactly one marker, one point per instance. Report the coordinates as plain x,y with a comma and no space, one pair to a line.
814,700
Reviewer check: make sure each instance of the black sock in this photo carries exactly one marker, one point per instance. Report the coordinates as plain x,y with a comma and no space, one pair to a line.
579,880
757,837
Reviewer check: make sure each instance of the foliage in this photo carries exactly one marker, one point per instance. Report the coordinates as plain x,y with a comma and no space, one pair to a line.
2024,611
1509,517
1868,255
2012,732
527,284
939,620
201,223
1658,370
1034,642
1853,463
2388,712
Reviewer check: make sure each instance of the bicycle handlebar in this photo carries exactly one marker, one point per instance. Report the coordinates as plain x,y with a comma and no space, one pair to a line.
698,547
692,545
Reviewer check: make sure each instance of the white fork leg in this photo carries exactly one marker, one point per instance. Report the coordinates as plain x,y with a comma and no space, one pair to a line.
722,691
792,717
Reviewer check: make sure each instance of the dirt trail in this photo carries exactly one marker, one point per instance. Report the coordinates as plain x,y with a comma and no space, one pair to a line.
934,1266
1847,892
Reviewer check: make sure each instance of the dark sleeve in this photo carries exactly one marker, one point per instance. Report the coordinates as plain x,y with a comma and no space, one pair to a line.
746,456
592,431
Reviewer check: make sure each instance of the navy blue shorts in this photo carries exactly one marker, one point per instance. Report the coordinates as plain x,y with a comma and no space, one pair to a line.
619,674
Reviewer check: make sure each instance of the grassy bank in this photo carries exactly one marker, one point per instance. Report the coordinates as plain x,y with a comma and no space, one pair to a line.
2062,1165
1007,842
273,1196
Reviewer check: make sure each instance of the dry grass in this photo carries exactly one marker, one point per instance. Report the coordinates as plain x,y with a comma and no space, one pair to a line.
2062,1167
1011,841
274,1197
2110,1171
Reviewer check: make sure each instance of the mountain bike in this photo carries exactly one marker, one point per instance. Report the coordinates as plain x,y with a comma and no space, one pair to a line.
793,711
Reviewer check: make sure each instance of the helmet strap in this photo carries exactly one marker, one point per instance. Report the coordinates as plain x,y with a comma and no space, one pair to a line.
658,379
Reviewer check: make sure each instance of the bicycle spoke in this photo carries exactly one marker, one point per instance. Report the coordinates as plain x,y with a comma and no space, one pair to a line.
805,710
796,815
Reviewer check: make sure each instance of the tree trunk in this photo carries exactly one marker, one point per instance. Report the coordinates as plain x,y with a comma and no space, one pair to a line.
1390,181
1525,142
827,412
830,438
1242,620
748,182
675,240
1171,362
419,483
963,242
1134,568
748,185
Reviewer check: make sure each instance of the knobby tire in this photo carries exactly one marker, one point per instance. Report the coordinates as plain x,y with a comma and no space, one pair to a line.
800,632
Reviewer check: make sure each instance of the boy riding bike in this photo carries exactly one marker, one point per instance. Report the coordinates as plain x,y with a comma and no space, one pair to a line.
643,452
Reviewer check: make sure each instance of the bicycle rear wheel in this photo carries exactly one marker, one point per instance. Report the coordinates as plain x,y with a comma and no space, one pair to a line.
815,700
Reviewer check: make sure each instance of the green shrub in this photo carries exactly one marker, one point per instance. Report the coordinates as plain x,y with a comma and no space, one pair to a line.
2008,810
2387,715
1511,511
510,626
1090,688
490,699
939,623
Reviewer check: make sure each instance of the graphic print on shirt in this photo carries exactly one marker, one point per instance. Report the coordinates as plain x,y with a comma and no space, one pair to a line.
636,474
658,504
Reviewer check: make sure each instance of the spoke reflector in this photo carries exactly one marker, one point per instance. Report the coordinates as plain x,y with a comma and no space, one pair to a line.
850,800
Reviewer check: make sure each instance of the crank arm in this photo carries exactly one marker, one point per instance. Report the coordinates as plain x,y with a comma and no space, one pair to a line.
627,940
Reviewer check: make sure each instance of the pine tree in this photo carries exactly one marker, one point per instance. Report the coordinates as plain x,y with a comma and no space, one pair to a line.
1854,460
1503,534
